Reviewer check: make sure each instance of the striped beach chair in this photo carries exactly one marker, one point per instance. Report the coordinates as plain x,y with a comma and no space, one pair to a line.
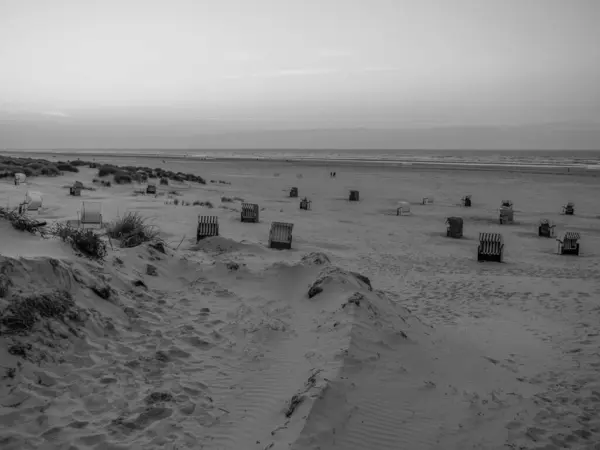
455,227
491,247
249,212
546,228
208,226
568,245
354,196
280,236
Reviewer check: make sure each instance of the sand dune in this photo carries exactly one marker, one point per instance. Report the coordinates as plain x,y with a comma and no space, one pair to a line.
374,332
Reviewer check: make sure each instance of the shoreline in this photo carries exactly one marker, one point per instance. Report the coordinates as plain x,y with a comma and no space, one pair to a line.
325,162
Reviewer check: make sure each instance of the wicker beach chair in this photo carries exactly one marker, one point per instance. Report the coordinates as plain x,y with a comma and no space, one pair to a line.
507,214
208,226
403,209
427,201
75,191
569,209
294,192
466,201
546,228
151,189
491,247
91,214
280,235
454,227
354,196
305,204
568,245
249,212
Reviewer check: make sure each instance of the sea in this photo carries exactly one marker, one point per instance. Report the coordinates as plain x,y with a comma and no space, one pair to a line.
582,159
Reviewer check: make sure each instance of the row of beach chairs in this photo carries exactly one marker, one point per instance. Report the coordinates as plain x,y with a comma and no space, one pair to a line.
491,245
280,234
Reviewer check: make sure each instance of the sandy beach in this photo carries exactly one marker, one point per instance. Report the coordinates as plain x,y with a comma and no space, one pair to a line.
219,346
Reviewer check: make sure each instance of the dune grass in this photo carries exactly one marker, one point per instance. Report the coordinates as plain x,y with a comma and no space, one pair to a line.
132,230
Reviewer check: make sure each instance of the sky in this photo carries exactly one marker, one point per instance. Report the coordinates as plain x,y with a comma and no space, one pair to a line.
73,72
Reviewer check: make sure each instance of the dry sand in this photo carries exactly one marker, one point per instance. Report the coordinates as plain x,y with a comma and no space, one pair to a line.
442,353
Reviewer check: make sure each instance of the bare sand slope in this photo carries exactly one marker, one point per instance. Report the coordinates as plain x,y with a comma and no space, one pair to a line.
223,344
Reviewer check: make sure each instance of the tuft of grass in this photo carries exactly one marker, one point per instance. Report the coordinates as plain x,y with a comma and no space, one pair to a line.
132,230
207,204
23,312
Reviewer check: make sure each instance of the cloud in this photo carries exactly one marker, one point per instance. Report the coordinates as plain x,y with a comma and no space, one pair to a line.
333,53
55,113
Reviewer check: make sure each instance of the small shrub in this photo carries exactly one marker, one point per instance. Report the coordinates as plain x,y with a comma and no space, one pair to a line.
107,170
84,241
122,178
176,202
226,199
66,168
79,162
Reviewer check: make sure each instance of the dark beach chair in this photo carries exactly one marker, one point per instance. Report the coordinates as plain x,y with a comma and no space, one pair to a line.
507,214
151,189
164,181
249,212
305,204
208,226
354,196
466,201
75,191
568,245
569,209
455,227
294,192
491,247
546,229
280,236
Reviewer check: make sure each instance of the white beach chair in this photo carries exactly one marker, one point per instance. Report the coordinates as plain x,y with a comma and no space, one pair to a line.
91,214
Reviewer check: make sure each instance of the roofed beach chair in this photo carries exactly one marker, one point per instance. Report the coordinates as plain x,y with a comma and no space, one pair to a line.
491,247
354,196
427,201
91,214
249,212
151,189
569,209
33,201
455,227
403,209
546,229
75,190
507,214
280,235
294,192
164,181
208,226
305,204
568,245
466,201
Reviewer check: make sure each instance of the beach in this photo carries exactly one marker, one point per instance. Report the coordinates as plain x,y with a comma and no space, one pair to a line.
409,343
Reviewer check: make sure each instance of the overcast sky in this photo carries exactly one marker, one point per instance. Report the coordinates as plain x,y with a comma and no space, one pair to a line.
200,66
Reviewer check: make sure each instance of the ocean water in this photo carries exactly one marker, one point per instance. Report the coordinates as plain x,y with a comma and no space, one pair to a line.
582,159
